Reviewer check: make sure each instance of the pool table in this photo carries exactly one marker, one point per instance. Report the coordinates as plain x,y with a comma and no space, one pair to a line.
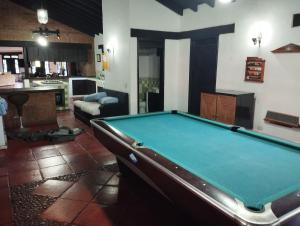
220,174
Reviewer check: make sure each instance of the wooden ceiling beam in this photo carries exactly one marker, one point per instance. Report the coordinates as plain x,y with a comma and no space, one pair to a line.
172,6
188,4
66,17
80,12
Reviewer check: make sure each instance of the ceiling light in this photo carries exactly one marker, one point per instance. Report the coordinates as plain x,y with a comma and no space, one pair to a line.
226,1
42,41
42,15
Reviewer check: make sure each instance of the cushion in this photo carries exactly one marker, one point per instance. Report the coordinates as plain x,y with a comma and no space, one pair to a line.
108,100
78,103
92,108
94,97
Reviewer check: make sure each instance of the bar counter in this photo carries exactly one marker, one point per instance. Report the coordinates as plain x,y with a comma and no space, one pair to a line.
39,110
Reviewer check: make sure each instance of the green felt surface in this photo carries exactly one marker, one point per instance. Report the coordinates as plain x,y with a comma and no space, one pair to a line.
254,170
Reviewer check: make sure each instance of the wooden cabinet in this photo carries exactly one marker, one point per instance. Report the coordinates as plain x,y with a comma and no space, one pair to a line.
208,110
226,106
230,107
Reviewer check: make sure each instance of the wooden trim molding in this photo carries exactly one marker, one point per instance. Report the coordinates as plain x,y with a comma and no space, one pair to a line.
193,34
51,44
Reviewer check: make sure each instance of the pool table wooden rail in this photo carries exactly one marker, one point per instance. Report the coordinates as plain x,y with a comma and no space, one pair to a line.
204,202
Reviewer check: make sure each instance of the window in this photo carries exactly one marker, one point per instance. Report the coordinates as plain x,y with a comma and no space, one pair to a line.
47,68
17,66
59,68
4,65
11,63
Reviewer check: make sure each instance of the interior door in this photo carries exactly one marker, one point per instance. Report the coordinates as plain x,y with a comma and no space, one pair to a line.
208,106
226,106
203,71
150,75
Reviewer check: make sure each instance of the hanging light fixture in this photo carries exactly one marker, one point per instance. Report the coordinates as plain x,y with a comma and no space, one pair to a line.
41,35
42,15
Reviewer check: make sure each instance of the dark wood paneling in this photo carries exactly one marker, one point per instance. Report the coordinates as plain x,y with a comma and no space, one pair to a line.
83,87
193,34
203,71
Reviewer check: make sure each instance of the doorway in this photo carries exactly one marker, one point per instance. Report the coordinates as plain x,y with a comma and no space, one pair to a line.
203,71
150,76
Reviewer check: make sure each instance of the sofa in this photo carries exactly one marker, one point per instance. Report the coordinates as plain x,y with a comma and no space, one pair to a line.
85,111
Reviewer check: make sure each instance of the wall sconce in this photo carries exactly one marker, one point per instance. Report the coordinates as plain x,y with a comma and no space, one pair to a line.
258,39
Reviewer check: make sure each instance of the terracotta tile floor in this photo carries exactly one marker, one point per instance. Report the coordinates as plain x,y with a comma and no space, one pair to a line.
69,185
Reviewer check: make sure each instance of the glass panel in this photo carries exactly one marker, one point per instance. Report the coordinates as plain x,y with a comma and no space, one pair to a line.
6,57
47,68
15,56
64,69
17,66
4,66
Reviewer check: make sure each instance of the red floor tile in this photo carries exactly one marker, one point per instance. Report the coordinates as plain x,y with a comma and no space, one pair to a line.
56,171
24,177
76,157
5,207
64,210
102,156
21,166
43,147
3,172
114,181
53,188
70,148
52,161
84,164
96,178
3,182
108,195
81,192
46,153
94,215
107,160
24,154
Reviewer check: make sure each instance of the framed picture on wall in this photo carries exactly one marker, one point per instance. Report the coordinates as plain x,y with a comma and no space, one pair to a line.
98,57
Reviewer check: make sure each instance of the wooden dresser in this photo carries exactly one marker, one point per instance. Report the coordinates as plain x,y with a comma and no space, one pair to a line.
228,106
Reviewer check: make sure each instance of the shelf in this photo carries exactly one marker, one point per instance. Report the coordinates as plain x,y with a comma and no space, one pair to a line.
281,119
255,69
290,48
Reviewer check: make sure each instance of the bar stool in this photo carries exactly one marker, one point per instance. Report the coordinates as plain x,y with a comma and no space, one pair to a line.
19,99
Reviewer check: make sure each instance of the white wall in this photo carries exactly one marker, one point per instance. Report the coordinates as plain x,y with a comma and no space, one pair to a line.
116,36
98,40
133,76
118,17
1,64
183,74
177,66
281,89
